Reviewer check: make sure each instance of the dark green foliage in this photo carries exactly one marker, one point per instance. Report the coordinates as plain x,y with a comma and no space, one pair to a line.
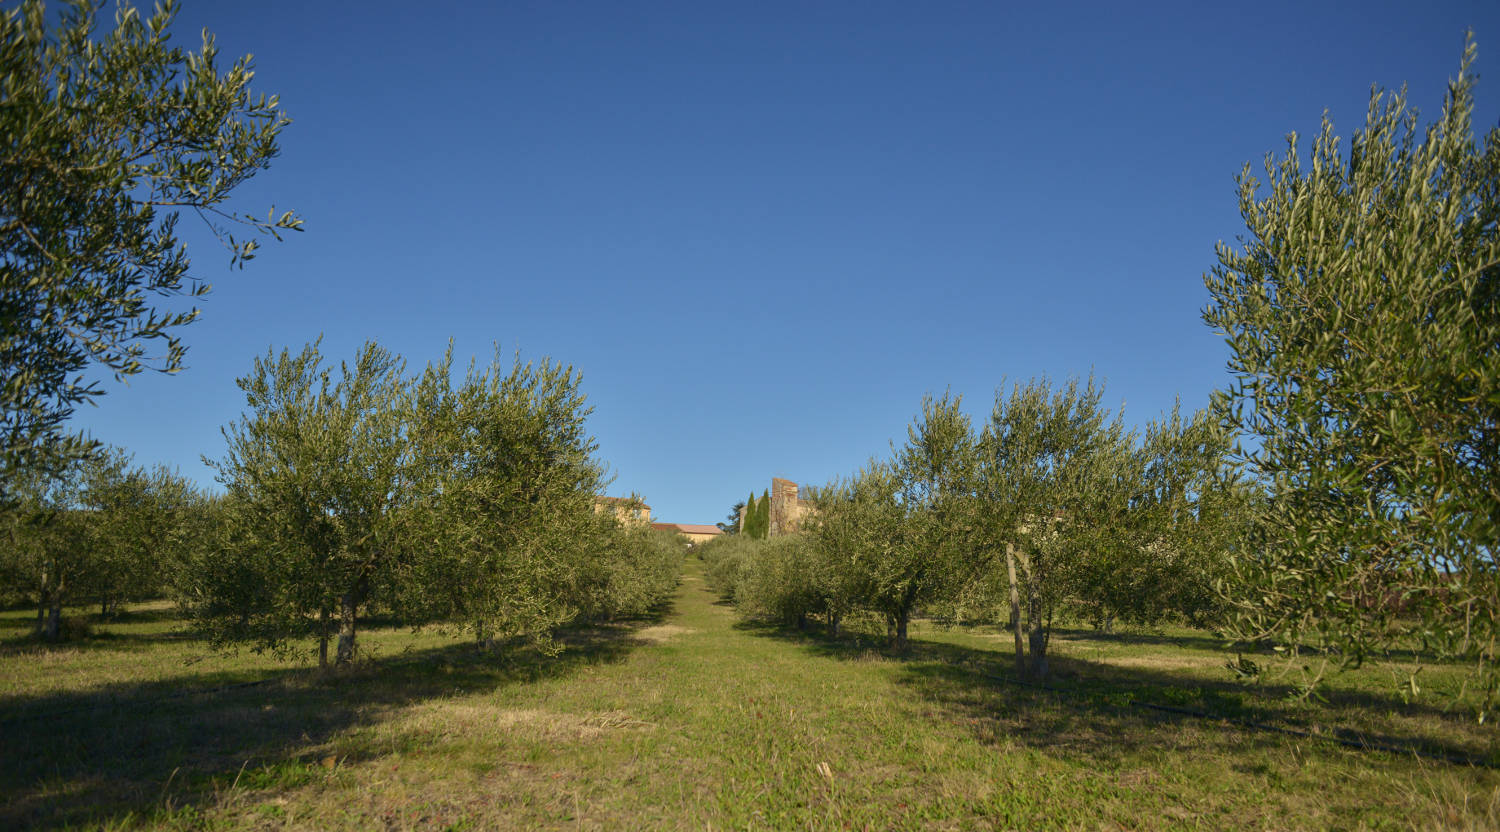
731,523
45,555
102,143
758,521
748,527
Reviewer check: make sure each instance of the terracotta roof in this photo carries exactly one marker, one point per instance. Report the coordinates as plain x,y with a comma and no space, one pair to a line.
687,528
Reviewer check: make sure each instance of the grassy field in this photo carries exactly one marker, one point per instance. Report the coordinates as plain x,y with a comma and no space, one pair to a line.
693,720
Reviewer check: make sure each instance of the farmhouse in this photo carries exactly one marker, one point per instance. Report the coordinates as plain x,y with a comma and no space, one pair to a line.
695,532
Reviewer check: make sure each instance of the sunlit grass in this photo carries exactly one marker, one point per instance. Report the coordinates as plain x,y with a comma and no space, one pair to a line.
696,720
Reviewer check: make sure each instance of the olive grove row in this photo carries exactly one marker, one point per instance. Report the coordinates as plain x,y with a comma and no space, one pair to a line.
1050,506
467,502
1339,498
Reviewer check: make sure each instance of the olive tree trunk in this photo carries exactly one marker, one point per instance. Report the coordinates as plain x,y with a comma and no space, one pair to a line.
1037,630
348,619
49,612
323,638
52,627
1015,608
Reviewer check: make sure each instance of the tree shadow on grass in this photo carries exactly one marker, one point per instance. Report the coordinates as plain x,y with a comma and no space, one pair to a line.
106,641
1186,642
1212,644
115,632
1102,711
97,756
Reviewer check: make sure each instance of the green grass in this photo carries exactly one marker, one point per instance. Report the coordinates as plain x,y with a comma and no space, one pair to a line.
695,720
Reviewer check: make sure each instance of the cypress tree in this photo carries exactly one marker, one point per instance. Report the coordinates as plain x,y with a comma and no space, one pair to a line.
763,516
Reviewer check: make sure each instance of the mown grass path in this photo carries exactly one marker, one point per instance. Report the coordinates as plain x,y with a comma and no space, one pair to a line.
696,721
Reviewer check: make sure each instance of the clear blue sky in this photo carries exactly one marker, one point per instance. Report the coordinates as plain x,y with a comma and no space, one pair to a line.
763,231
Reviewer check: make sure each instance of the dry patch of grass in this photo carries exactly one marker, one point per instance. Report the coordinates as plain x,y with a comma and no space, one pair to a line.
481,722
1165,662
663,633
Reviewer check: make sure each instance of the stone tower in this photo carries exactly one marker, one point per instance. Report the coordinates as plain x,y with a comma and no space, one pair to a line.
786,509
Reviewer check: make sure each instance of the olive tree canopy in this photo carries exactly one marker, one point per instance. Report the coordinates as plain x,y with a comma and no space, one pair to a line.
1363,318
103,144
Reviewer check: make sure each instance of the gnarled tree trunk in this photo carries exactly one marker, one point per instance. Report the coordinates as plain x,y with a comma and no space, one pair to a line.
323,637
49,625
52,628
348,610
1037,628
1015,608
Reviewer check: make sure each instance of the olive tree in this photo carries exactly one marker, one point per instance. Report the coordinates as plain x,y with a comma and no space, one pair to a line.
511,543
103,144
214,569
469,503
45,556
934,468
318,471
868,539
847,513
133,520
96,530
1362,313
727,564
1054,476
895,533
1187,514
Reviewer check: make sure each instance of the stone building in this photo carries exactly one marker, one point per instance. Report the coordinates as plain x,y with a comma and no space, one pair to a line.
627,510
695,532
787,509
